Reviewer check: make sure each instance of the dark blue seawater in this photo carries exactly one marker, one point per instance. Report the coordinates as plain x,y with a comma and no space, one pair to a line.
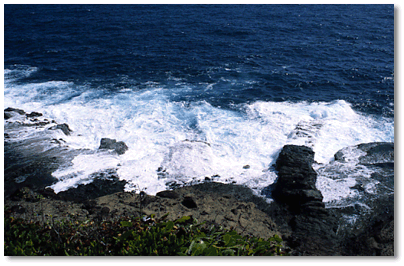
200,91
248,52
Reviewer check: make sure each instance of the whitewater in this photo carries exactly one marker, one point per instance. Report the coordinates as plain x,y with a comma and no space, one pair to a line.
174,141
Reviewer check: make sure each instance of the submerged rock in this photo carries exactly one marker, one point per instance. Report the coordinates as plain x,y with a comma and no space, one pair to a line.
111,144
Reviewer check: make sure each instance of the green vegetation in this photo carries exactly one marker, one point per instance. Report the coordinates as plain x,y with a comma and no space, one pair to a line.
146,236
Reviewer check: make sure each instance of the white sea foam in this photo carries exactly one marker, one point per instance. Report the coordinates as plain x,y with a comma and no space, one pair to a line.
191,141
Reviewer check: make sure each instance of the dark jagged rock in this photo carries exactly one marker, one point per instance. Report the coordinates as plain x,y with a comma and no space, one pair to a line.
99,187
19,171
296,183
7,115
8,112
34,114
373,234
10,109
313,228
377,153
64,127
111,144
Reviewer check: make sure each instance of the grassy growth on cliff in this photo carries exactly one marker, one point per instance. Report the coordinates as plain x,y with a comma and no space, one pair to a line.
146,236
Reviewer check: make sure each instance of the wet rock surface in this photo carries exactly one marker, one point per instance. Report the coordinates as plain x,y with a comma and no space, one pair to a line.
98,188
31,153
298,214
63,127
111,144
373,232
34,172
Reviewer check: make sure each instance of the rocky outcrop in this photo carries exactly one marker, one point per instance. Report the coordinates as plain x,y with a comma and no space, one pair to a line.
65,128
296,184
372,233
34,114
10,112
231,208
101,186
313,227
111,144
377,153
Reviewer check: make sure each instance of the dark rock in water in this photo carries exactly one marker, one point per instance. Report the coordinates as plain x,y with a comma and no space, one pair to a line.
19,171
168,194
99,187
8,112
189,203
294,156
111,144
34,114
10,109
7,116
373,234
64,127
296,182
173,185
371,231
295,190
40,123
377,153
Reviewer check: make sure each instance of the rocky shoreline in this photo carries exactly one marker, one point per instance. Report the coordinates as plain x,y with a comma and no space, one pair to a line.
297,214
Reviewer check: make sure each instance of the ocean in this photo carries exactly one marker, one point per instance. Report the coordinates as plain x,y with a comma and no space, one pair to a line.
202,92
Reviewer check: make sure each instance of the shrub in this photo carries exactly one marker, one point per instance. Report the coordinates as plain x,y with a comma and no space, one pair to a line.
140,236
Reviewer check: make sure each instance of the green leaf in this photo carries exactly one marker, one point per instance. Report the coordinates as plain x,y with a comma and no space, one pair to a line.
211,251
169,225
126,224
183,219
164,216
226,239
